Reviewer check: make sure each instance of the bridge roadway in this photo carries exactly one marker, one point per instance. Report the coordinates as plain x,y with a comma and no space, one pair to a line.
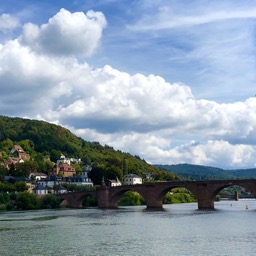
153,193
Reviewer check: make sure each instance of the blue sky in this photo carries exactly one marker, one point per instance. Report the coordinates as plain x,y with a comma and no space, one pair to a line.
171,81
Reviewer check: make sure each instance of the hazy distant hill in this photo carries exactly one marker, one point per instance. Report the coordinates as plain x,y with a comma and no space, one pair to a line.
45,139
243,173
199,172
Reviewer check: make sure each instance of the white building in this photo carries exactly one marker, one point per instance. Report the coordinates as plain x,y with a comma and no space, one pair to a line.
63,160
38,175
132,179
114,183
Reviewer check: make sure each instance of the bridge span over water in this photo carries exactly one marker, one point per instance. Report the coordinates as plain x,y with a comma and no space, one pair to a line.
153,193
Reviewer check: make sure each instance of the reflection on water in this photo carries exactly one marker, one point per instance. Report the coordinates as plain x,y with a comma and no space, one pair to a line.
181,229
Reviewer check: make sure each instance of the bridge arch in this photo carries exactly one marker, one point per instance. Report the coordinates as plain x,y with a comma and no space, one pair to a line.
75,199
210,189
85,196
115,197
248,188
64,203
178,194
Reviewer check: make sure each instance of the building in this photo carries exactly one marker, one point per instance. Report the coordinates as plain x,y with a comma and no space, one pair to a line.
59,189
12,161
65,160
41,190
51,181
114,183
18,152
80,180
37,175
64,170
132,179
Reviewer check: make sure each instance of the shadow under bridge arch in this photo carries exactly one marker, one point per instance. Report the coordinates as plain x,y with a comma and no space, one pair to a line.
76,199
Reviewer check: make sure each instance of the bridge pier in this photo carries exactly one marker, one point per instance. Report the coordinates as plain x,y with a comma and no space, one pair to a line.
205,204
104,199
236,196
153,203
204,199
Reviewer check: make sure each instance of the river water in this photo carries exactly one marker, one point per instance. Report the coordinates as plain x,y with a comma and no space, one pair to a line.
179,229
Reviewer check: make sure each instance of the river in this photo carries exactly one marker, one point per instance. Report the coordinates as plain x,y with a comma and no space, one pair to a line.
179,229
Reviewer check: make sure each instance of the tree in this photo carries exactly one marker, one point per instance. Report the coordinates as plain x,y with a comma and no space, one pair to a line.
28,146
21,186
7,187
50,202
97,173
131,198
86,160
55,155
6,145
44,163
27,201
113,172
78,167
3,172
90,201
24,169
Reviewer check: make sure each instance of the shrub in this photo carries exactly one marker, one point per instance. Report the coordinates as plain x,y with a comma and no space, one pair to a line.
27,201
50,202
131,198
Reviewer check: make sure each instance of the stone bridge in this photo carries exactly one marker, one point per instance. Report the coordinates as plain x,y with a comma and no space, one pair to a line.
153,193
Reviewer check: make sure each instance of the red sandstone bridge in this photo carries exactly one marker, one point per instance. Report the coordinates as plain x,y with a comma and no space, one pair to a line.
153,193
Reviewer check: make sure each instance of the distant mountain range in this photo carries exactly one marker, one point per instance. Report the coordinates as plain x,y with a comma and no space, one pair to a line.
199,172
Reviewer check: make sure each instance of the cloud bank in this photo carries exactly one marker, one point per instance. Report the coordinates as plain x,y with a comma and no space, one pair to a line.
42,77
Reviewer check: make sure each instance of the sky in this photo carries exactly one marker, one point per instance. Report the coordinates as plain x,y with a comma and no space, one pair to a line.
172,81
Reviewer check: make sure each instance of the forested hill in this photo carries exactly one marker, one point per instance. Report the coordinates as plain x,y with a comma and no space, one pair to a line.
199,172
44,140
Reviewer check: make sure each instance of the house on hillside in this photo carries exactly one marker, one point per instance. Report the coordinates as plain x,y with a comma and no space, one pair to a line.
148,177
59,189
114,183
82,179
132,179
63,169
37,175
66,170
65,160
41,189
79,180
12,161
51,181
18,152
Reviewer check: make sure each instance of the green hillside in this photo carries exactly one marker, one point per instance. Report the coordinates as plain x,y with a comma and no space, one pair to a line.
43,140
199,172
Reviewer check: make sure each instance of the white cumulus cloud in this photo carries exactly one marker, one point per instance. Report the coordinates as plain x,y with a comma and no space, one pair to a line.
66,33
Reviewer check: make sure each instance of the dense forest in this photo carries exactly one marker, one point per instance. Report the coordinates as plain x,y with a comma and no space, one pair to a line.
46,142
